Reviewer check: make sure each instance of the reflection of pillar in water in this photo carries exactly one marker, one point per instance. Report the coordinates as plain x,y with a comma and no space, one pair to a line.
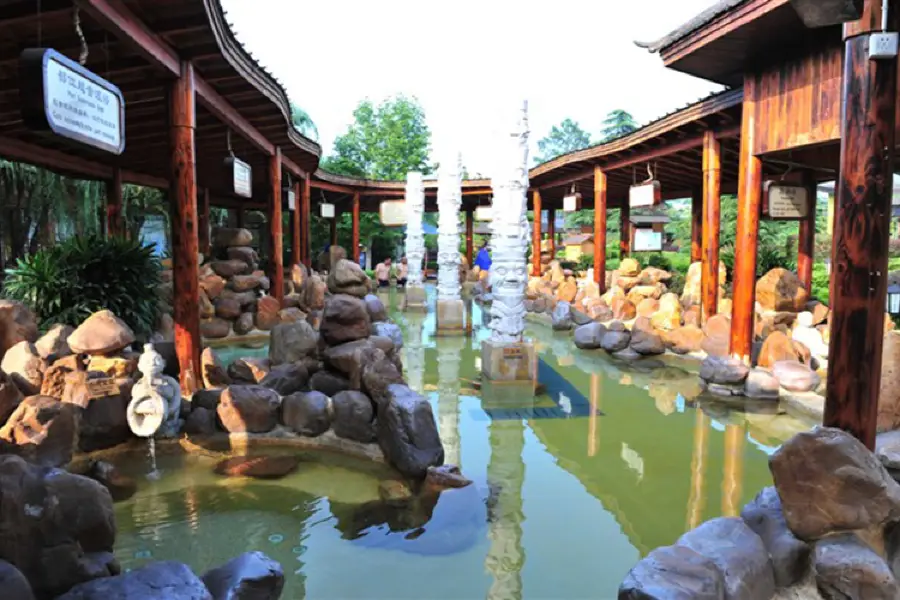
734,462
415,353
449,357
593,426
698,464
506,473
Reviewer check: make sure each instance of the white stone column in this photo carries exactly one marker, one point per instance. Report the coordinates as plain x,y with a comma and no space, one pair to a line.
450,308
449,355
506,474
415,241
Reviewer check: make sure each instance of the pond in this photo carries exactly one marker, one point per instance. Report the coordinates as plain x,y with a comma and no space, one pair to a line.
571,487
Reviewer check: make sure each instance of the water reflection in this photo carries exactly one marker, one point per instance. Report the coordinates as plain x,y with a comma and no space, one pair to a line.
449,355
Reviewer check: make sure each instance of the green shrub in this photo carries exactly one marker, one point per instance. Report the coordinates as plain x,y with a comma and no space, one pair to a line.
820,283
676,284
585,262
681,261
659,261
68,282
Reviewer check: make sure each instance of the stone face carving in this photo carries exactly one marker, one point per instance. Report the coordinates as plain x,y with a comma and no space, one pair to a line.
415,236
155,398
509,234
448,200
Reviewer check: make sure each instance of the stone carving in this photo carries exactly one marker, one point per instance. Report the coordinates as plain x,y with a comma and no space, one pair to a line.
448,199
449,359
509,234
155,398
415,236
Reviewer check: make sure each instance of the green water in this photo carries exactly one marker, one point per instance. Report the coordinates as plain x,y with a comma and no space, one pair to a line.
571,488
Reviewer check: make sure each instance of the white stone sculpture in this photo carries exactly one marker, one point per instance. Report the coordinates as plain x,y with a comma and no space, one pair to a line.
415,236
449,198
509,234
155,398
809,336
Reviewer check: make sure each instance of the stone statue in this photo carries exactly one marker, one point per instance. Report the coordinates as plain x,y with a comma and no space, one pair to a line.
155,398
449,198
415,236
509,234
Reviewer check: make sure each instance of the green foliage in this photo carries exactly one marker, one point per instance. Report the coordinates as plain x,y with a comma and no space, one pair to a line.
303,122
659,261
562,139
585,262
617,124
820,283
68,282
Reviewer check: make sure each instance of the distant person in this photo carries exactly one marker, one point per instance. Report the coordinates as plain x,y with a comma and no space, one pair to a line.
402,272
483,260
383,273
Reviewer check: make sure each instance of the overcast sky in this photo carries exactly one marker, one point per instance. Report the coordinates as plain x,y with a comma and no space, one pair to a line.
469,61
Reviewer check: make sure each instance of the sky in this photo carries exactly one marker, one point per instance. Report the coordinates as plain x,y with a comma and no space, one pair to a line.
470,63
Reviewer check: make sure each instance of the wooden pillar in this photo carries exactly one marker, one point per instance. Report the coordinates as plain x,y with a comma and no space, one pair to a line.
296,231
806,239
625,230
203,224
355,241
551,231
600,229
861,232
183,199
114,225
697,224
276,243
305,251
746,240
536,235
711,220
470,235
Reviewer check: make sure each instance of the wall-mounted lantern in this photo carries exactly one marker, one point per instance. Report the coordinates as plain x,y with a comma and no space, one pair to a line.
893,300
326,210
572,201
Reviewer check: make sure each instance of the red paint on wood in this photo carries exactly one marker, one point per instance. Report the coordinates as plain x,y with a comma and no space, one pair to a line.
304,223
711,218
807,237
536,235
355,240
551,231
276,241
114,225
600,229
296,231
624,230
696,225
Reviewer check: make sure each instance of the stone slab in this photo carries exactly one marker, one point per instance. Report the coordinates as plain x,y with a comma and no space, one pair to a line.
415,299
508,361
451,317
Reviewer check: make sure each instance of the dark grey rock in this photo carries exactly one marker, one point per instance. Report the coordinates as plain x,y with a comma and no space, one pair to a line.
376,309
407,432
207,398
291,342
717,369
847,568
167,580
887,449
673,573
614,341
647,342
589,336
389,330
790,556
250,576
201,421
306,413
562,316
761,384
328,383
354,416
287,378
13,584
580,318
378,373
344,319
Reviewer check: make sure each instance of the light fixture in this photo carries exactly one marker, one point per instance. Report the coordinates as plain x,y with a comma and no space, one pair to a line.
893,300
326,210
646,193
572,201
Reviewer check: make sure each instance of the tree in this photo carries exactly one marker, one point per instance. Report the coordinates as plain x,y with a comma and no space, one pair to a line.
616,124
562,139
303,122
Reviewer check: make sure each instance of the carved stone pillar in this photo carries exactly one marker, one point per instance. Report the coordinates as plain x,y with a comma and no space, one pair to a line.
450,309
415,241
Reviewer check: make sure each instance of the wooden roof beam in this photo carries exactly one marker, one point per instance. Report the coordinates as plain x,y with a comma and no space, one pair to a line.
330,187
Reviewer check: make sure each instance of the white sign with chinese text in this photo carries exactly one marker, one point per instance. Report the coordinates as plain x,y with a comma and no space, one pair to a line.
392,213
243,179
643,195
647,240
327,211
788,202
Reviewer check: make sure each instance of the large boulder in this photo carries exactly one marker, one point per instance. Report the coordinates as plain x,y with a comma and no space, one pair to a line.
829,482
673,573
377,311
214,374
349,359
43,430
795,377
790,556
645,340
354,416
344,319
227,237
250,576
25,367
718,332
723,371
379,372
389,330
312,294
215,328
347,277
781,290
244,253
10,397
329,383
244,324
55,343
13,583
227,308
267,309
249,370
101,333
761,384
889,396
407,432
248,409
562,316
229,268
306,413
777,347
590,336
245,283
668,317
847,567
166,579
292,342
287,378
616,338
103,420
685,339
17,324
629,267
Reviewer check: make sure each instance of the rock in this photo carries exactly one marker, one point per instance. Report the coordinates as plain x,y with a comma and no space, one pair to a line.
718,332
250,370
829,482
215,328
795,377
17,324
201,421
267,309
347,277
407,432
287,378
375,307
590,336
228,308
43,430
691,316
653,275
291,301
10,397
761,384
740,555
101,333
54,344
629,267
647,307
781,290
723,371
103,421
248,409
673,573
344,319
626,354
208,399
845,567
113,366
169,579
623,309
291,315
790,556
668,317
580,318
348,359
299,275
562,316
567,291
214,374
685,339
227,237
306,413
820,312
292,342
25,367
378,373
212,285
229,268
445,477
354,416
389,330
614,341
120,487
777,347
644,340
258,467
244,283
385,344
244,253
313,294
328,383
600,312
13,583
244,324
250,576
247,300
889,395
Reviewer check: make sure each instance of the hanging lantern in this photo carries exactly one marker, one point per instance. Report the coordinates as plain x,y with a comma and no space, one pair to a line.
646,193
483,213
572,201
239,172
392,213
893,300
326,209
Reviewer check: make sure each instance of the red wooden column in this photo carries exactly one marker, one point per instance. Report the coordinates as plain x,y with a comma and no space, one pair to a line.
697,225
296,235
806,240
551,231
203,224
470,235
183,198
276,242
861,232
114,204
304,223
355,241
625,230
711,218
536,235
600,229
749,199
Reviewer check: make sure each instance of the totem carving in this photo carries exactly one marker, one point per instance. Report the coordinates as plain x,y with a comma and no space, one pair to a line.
415,236
449,198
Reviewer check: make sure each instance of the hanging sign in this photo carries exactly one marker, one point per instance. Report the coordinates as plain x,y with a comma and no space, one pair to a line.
785,201
647,240
392,213
326,210
572,202
483,213
645,194
241,175
59,95
291,200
